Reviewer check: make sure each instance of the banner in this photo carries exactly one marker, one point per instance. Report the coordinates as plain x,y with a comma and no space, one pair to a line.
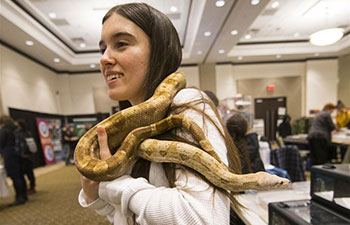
55,133
46,142
81,125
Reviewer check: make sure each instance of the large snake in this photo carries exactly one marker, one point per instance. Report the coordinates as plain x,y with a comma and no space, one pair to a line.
130,130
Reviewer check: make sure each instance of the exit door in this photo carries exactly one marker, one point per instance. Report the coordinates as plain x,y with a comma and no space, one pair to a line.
266,109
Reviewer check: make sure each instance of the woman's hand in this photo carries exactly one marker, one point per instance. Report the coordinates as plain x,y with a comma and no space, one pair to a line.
90,187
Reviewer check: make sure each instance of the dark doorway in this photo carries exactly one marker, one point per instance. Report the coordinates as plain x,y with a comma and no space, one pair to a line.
266,109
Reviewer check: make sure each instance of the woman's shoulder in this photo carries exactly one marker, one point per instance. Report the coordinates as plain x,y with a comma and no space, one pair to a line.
187,95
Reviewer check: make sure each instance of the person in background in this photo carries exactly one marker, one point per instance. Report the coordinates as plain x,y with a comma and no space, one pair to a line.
69,141
140,48
320,135
81,132
342,119
247,143
213,97
65,143
285,129
12,159
27,156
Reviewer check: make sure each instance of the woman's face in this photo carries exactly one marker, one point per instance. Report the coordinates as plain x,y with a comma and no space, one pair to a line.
125,55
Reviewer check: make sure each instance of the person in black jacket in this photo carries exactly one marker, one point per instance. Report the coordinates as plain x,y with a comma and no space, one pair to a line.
320,135
12,159
247,143
26,155
285,129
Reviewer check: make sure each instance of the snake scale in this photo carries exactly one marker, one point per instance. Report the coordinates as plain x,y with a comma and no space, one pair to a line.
130,131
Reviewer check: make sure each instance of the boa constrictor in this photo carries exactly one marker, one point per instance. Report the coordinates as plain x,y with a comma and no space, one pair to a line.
130,130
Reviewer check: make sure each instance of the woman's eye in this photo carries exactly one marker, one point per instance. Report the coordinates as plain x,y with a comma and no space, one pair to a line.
121,44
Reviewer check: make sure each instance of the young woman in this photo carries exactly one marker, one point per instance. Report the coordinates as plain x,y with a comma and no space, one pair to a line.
247,143
140,47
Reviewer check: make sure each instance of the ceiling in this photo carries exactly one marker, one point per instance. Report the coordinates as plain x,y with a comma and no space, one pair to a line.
70,30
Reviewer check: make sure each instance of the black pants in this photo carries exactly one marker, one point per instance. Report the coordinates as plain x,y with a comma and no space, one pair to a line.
20,186
28,170
320,151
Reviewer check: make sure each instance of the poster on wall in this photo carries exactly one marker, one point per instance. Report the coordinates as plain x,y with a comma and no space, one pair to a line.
55,133
81,125
45,140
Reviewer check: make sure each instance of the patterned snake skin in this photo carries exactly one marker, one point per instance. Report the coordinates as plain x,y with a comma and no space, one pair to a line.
130,130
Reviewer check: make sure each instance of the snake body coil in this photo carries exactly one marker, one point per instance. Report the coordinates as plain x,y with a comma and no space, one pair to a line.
129,130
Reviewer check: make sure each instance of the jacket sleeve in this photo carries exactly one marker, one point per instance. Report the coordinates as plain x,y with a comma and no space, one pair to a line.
329,121
100,206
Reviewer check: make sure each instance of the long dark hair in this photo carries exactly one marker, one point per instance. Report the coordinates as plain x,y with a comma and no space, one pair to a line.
237,126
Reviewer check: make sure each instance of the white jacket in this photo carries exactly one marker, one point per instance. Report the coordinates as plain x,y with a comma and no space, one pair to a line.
192,201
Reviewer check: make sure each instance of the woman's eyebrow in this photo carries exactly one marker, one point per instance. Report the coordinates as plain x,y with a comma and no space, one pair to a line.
116,36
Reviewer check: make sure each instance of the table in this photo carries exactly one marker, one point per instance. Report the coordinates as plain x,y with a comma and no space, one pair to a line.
341,137
256,202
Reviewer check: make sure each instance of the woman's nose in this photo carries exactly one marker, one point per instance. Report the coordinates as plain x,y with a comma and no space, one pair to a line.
107,58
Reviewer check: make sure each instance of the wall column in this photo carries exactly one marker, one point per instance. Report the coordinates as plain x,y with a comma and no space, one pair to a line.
207,76
344,79
321,83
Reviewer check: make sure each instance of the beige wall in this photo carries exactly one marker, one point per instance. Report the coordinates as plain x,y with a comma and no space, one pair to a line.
26,84
322,82
207,77
191,74
318,80
1,63
344,79
226,83
102,102
228,77
289,87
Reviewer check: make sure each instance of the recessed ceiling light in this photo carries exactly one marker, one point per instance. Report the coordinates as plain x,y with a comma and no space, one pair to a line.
82,45
92,65
278,56
221,51
248,36
296,34
254,2
275,4
240,57
56,60
207,33
173,9
29,43
220,3
199,52
52,15
326,37
234,32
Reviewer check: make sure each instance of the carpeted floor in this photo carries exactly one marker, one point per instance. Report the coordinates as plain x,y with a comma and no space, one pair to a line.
55,203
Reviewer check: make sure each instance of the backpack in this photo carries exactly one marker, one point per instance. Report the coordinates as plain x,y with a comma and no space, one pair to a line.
21,146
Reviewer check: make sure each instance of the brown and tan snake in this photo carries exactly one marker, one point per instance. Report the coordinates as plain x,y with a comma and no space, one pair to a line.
130,130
